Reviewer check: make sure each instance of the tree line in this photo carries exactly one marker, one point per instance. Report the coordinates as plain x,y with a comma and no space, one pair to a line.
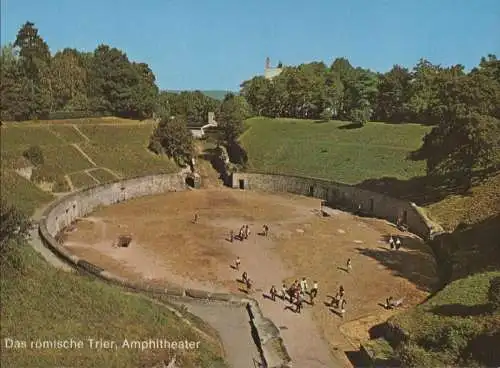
341,91
38,85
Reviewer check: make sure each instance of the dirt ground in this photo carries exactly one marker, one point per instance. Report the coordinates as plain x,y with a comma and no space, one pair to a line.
168,247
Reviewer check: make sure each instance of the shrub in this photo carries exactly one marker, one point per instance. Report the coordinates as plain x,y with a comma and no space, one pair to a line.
413,356
14,226
35,155
494,293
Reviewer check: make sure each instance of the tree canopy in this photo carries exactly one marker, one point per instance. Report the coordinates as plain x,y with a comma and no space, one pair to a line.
36,84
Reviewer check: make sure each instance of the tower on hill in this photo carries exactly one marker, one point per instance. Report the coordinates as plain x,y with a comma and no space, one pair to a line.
269,72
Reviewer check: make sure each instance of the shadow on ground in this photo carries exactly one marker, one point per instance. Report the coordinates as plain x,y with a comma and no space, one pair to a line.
425,190
412,262
460,310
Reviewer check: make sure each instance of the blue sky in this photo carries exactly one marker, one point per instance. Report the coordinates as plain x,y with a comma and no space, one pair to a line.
216,44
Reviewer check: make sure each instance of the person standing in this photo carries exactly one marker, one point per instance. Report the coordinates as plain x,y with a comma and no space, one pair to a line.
314,290
349,265
284,292
237,263
342,307
273,293
298,304
231,236
391,242
398,243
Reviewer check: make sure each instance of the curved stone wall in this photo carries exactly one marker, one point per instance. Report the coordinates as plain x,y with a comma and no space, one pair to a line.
64,211
336,194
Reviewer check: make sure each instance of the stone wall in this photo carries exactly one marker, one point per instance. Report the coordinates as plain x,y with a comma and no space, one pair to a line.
345,196
64,211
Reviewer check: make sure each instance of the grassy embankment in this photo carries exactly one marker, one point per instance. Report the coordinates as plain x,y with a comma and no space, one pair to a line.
40,302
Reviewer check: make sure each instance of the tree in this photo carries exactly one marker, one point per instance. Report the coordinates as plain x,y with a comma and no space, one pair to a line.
233,111
173,138
35,65
69,81
393,90
16,97
460,144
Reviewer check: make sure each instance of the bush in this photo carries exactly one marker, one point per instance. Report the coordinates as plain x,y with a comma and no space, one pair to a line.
35,155
414,356
14,226
494,293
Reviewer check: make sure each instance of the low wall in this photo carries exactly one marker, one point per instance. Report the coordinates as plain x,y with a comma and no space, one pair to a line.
65,210
337,194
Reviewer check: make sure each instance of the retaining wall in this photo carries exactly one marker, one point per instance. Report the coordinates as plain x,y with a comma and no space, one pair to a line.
65,210
372,204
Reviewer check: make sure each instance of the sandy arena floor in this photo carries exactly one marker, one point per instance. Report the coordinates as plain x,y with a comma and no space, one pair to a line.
168,247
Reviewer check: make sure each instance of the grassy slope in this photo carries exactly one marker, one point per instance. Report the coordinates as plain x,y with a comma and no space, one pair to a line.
326,150
40,302
116,144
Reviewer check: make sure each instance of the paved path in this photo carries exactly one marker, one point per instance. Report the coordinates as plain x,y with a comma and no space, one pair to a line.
233,324
299,332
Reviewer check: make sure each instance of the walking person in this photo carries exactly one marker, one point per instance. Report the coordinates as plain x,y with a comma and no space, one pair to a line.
231,236
342,307
398,243
244,277
266,230
303,286
349,265
273,293
298,304
249,286
391,242
237,263
314,290
195,219
284,291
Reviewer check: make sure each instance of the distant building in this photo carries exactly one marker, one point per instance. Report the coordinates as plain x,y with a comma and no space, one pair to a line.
199,131
270,73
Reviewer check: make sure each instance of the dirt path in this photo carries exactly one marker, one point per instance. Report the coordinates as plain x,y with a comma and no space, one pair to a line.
80,132
77,147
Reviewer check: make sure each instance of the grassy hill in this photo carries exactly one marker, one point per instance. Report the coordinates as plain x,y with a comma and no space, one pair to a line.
76,154
332,149
40,302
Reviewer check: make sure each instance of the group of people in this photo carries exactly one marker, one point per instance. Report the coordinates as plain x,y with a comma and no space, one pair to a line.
394,242
244,233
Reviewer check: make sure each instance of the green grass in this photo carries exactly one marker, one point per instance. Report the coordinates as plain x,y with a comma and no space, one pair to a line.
64,159
325,150
103,176
446,324
81,180
117,144
126,134
22,192
40,302
67,133
20,137
129,160
482,203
